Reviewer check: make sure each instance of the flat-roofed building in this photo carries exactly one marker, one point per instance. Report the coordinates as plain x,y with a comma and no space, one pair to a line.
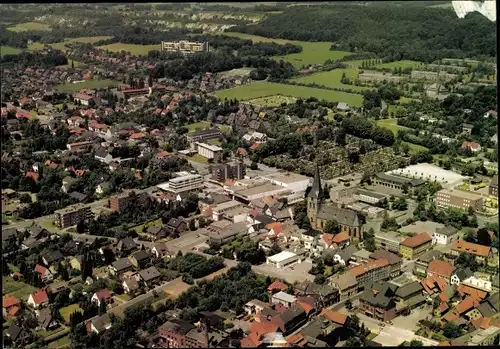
371,271
460,199
209,151
181,184
219,210
184,47
203,135
396,182
292,181
369,197
284,259
228,233
389,241
257,191
485,338
234,170
119,201
72,215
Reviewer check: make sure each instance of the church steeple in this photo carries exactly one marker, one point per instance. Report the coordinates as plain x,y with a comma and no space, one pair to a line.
316,191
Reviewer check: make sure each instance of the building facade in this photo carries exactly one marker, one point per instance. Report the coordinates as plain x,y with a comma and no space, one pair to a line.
209,151
119,201
222,172
458,199
390,241
185,47
72,215
183,184
493,188
413,247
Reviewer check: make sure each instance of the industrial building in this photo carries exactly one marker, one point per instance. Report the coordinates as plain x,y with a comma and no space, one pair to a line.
459,199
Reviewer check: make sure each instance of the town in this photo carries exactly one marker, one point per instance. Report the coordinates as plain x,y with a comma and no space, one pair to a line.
159,190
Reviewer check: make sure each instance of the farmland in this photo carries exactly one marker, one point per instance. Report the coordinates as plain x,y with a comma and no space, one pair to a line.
62,45
23,27
332,79
272,101
266,89
70,87
312,52
8,50
137,50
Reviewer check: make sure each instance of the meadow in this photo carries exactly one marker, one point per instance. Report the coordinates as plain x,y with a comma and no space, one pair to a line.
312,52
62,45
9,50
92,84
401,64
272,101
391,124
332,79
266,89
24,27
136,50
236,72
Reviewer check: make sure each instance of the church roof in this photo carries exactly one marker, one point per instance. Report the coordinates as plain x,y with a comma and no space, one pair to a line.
342,215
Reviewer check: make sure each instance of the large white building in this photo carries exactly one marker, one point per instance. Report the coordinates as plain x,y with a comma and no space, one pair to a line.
185,47
283,259
182,184
209,151
292,181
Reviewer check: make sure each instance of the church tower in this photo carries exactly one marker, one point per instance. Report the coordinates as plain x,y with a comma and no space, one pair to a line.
314,198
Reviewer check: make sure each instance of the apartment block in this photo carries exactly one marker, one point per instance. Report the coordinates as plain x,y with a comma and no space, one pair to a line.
459,199
183,184
413,247
72,215
209,151
119,201
185,47
234,170
389,241
372,271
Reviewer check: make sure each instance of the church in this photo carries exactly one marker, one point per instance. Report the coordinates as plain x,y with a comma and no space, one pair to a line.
319,211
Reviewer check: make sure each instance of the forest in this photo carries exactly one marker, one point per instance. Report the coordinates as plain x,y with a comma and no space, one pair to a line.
392,32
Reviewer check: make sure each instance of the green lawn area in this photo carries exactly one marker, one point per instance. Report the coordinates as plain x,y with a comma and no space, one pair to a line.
415,147
23,27
124,297
48,224
16,289
225,128
371,335
236,72
9,50
202,125
62,45
391,124
46,334
312,52
70,309
61,342
92,84
137,50
13,268
266,89
272,101
401,64
214,142
155,223
198,158
332,79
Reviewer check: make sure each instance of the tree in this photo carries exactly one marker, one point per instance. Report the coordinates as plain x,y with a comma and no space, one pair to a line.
483,237
102,308
25,198
319,279
416,343
254,166
332,227
348,304
366,178
451,330
192,226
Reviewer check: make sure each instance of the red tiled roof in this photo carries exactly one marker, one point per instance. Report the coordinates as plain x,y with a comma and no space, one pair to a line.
40,269
443,307
250,341
103,294
473,292
40,296
297,340
335,316
451,316
255,146
253,212
440,268
13,311
467,304
417,240
33,175
276,226
9,301
139,135
371,265
341,237
469,247
472,145
482,322
277,285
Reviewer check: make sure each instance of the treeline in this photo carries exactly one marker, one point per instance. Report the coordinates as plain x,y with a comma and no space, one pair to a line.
36,59
269,49
145,36
214,62
363,128
18,39
392,32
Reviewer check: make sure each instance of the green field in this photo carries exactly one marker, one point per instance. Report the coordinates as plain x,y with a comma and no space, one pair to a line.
155,223
136,50
312,52
265,89
60,343
198,158
23,27
236,72
16,289
415,147
272,101
201,125
62,45
70,309
9,50
401,64
92,84
332,79
391,124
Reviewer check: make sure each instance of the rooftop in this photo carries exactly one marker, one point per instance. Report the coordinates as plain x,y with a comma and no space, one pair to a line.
282,256
431,172
366,267
417,240
469,195
209,146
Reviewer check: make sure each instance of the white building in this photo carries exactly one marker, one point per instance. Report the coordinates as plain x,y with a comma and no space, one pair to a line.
209,151
292,181
219,210
283,298
182,184
283,259
444,236
480,284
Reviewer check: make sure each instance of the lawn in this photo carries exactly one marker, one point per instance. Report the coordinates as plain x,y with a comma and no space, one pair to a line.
70,309
48,224
124,297
61,342
17,289
201,125
92,84
9,50
155,223
266,89
236,72
62,45
198,158
332,79
312,52
401,64
23,27
272,101
415,147
391,124
46,334
137,50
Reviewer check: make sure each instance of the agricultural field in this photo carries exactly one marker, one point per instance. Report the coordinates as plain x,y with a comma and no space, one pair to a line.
266,89
137,50
34,26
272,101
332,79
9,50
62,45
401,64
70,309
92,84
312,52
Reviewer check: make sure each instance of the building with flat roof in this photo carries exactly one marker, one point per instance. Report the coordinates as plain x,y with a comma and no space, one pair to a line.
459,199
185,47
429,172
389,241
203,135
284,259
396,182
289,180
119,201
72,215
209,151
182,184
234,170
258,190
485,338
369,197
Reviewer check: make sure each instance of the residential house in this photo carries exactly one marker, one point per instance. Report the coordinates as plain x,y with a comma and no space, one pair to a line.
290,319
156,233
45,319
176,226
395,262
126,245
413,247
327,295
377,301
52,257
149,276
177,333
104,156
254,306
460,275
139,258
473,146
103,188
345,283
130,285
98,324
120,266
283,298
38,299
45,274
160,250
440,269
422,262
482,253
67,183
277,286
444,236
344,256
11,306
16,333
37,232
493,187
102,296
